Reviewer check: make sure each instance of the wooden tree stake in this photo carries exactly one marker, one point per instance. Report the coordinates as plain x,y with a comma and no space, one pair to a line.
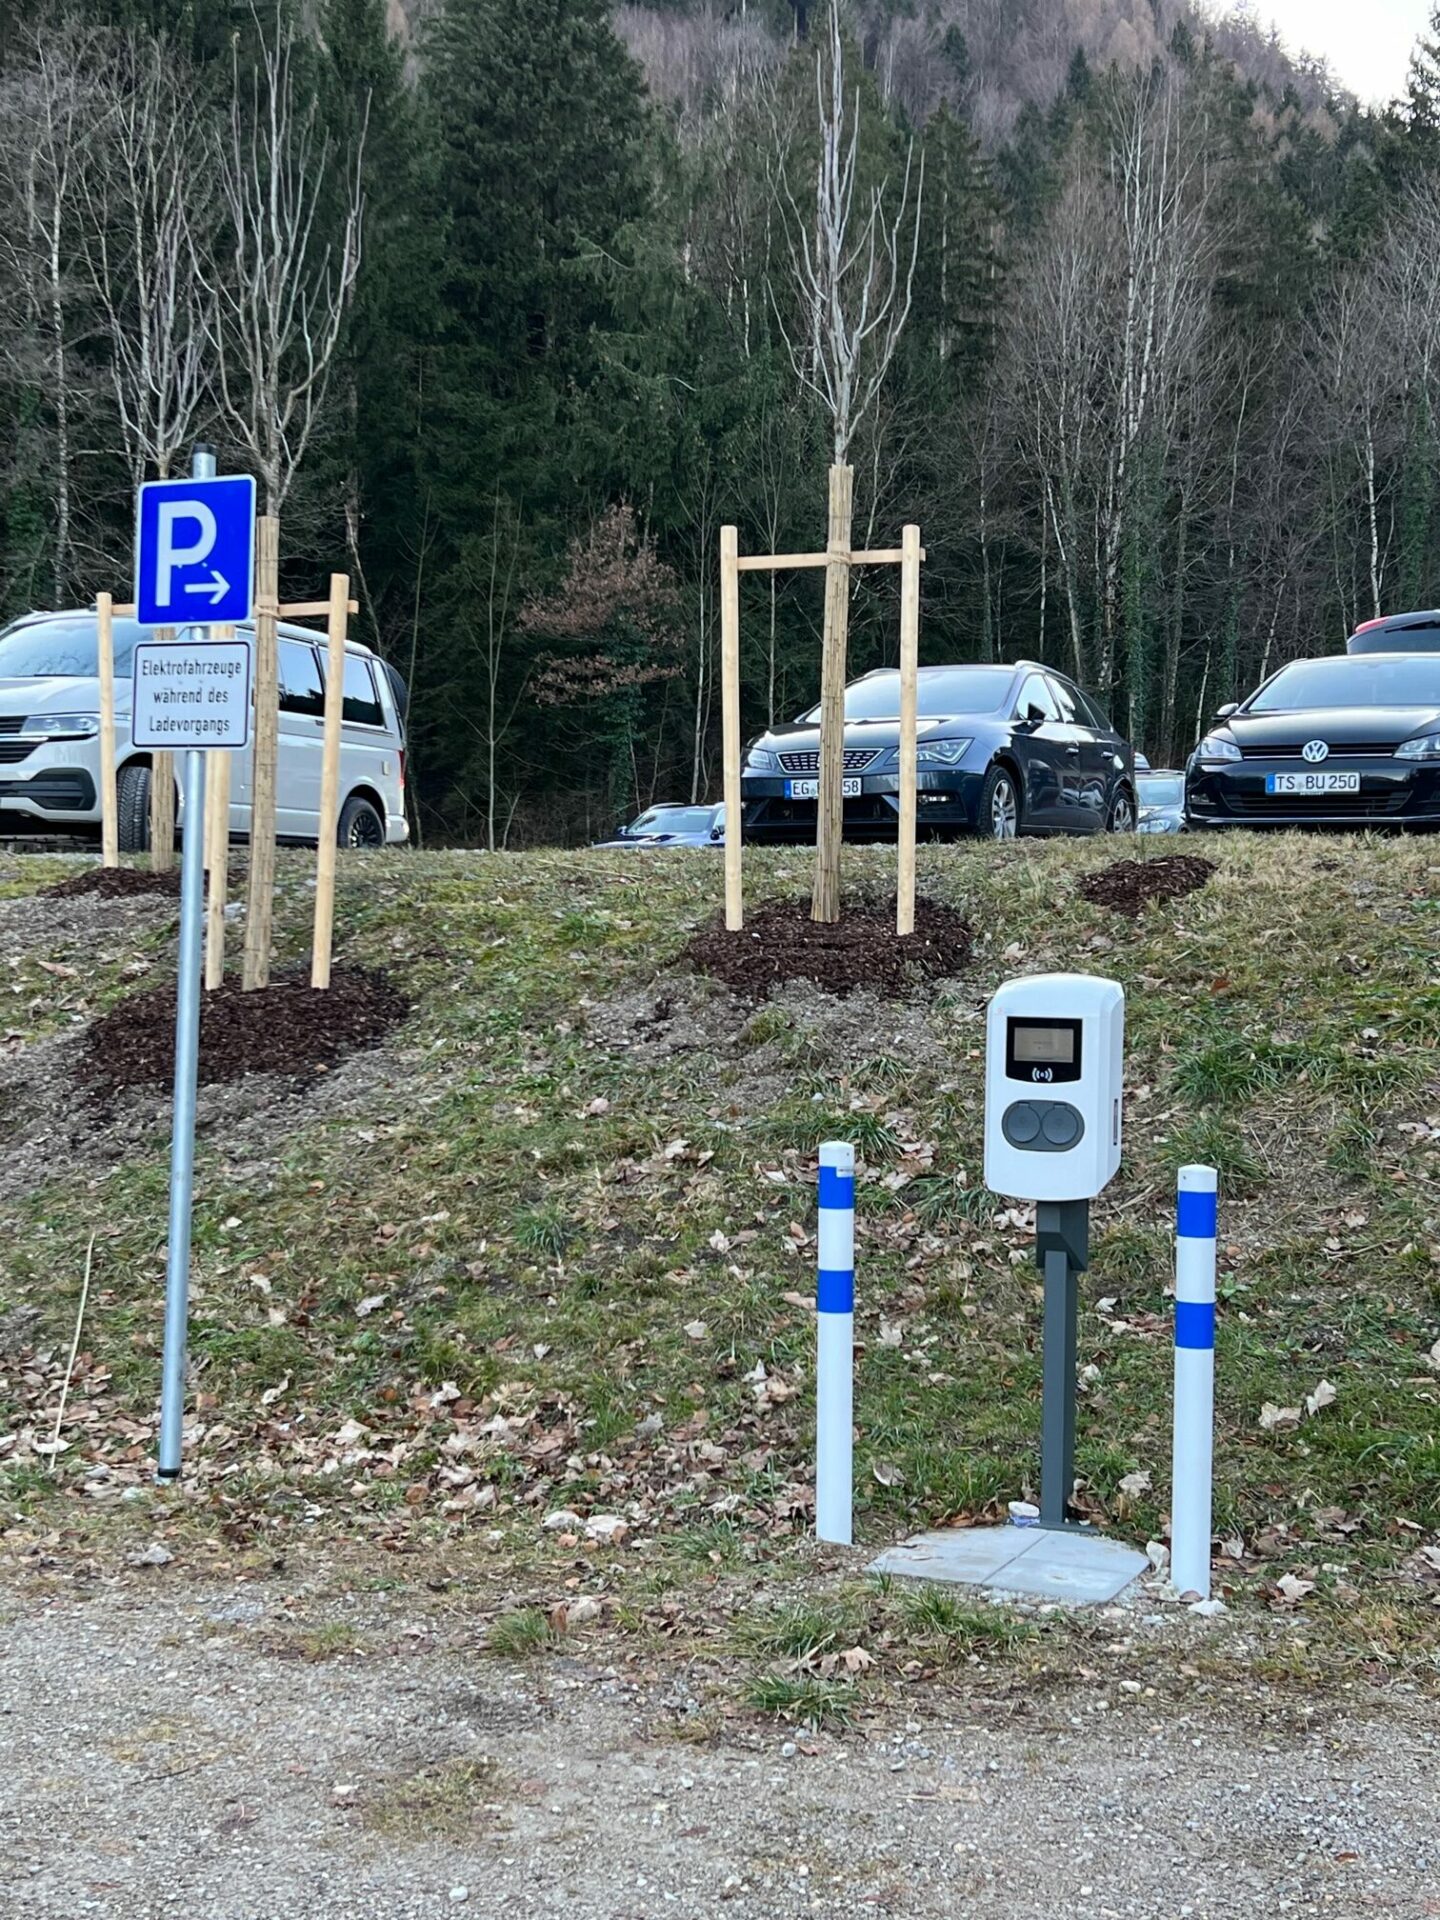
109,815
830,826
217,854
260,890
162,798
339,608
217,864
909,701
730,709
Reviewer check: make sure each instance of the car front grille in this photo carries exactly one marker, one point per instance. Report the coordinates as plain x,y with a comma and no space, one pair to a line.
1350,751
11,722
1319,806
12,751
857,759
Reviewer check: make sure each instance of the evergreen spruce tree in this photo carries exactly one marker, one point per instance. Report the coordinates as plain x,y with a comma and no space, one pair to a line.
538,122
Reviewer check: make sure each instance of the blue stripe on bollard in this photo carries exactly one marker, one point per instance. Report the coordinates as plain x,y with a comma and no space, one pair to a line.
835,1290
836,1189
1195,1323
1197,1215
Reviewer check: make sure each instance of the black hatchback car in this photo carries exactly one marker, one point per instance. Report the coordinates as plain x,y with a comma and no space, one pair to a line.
1001,751
1349,741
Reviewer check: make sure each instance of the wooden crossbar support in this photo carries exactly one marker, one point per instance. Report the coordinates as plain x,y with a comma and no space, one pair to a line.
320,609
773,562
908,557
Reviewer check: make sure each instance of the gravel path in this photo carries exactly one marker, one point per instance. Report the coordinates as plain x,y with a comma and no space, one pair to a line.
161,1756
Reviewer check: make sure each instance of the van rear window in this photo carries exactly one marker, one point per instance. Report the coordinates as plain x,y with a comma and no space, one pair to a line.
301,689
362,703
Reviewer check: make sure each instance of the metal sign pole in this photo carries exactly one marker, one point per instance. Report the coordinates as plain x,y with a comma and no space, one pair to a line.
187,1060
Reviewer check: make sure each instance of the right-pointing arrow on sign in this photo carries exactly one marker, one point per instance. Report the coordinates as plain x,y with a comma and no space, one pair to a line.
217,586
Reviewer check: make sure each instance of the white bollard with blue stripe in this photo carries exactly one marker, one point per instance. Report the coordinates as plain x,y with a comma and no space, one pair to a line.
835,1346
1196,1227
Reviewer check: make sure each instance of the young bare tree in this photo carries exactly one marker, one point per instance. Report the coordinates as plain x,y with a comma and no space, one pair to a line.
852,264
282,304
150,209
295,212
48,112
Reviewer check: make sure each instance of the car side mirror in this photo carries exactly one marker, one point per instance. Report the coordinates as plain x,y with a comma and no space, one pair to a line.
1230,706
1034,716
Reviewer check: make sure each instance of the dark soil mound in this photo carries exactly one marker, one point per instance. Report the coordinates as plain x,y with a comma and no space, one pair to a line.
117,883
781,942
1131,885
283,1028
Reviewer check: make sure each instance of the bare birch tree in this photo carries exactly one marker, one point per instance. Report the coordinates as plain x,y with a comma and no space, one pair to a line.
852,265
47,119
283,302
150,207
295,212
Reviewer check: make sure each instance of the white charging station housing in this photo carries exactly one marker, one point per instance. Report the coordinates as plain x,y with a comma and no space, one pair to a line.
1054,1065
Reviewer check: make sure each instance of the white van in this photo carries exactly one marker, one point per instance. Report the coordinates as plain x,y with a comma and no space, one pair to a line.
50,747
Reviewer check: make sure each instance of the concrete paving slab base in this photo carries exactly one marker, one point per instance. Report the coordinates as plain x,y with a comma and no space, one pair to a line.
1075,1569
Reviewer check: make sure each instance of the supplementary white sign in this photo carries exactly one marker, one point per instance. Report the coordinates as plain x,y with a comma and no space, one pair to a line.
191,694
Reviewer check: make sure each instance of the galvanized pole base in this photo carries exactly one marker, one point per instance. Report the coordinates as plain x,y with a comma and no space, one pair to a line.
182,1141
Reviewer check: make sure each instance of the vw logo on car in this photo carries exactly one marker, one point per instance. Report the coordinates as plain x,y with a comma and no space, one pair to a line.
1315,751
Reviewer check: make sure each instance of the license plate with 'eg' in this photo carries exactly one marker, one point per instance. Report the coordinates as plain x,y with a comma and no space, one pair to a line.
810,789
1312,783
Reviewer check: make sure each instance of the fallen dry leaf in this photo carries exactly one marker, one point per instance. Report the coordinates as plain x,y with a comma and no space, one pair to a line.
1273,1419
1293,1589
1323,1396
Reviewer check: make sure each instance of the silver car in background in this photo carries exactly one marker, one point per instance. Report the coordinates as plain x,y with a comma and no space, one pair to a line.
50,738
1161,796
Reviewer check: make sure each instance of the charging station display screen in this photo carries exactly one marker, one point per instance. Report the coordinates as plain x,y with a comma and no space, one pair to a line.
1043,1051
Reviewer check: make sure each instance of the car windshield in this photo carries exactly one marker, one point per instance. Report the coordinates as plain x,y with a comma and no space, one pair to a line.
672,820
1160,789
66,646
941,691
1359,681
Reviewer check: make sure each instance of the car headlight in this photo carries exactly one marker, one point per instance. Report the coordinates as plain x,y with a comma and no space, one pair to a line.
1216,747
1427,747
941,753
60,726
762,760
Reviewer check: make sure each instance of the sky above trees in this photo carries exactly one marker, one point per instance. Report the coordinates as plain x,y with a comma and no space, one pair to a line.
1366,42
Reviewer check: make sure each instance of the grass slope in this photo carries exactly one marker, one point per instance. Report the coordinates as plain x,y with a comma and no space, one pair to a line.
551,1249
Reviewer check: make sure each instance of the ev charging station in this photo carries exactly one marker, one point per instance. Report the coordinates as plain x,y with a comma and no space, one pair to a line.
1054,1065
1054,1070
1054,1095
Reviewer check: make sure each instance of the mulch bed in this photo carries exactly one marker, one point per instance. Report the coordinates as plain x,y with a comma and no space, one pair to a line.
1130,885
286,1027
117,883
781,942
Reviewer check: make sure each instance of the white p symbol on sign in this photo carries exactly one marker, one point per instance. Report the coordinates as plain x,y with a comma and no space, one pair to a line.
171,555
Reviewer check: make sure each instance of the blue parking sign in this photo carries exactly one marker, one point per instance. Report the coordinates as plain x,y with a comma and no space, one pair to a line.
195,552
